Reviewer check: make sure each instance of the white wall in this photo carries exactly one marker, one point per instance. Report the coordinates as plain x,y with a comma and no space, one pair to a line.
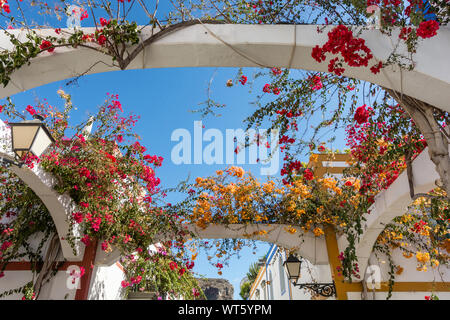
106,283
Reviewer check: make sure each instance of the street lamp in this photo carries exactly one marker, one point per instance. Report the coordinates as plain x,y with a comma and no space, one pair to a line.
293,269
29,136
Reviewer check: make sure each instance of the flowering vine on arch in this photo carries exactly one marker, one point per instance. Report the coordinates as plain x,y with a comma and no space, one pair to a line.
111,178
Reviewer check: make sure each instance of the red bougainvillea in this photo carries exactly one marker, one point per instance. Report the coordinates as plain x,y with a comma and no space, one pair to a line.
341,41
428,29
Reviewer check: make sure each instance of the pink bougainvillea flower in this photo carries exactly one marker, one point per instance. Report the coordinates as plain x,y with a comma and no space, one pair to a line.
104,22
78,217
105,246
31,110
86,240
317,81
101,39
84,204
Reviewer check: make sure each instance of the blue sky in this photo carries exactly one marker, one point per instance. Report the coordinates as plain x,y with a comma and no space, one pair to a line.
163,98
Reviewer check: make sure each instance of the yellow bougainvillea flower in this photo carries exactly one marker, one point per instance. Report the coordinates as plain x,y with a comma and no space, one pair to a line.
407,255
318,232
422,257
290,229
236,171
313,157
399,270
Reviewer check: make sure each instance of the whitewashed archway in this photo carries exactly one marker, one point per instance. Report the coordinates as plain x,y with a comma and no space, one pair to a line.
306,245
60,206
227,45
391,203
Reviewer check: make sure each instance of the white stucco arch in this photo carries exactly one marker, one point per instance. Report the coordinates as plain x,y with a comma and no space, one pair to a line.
60,206
391,203
233,45
306,245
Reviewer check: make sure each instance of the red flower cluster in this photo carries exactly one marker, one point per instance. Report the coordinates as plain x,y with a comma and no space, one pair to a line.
86,240
104,22
308,175
47,45
317,81
289,167
341,41
285,139
404,33
243,80
266,88
77,216
428,29
84,15
31,110
276,71
289,114
101,39
376,68
418,226
173,265
5,6
361,114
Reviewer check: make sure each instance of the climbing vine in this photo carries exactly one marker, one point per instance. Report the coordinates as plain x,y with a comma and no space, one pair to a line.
110,177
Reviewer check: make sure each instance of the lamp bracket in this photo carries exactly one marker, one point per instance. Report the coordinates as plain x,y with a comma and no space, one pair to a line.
323,289
9,161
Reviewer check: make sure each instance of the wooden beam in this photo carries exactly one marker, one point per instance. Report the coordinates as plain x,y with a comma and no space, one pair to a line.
88,264
26,265
402,287
333,254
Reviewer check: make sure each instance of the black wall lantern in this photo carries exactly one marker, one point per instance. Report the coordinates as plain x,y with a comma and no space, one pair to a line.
293,268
